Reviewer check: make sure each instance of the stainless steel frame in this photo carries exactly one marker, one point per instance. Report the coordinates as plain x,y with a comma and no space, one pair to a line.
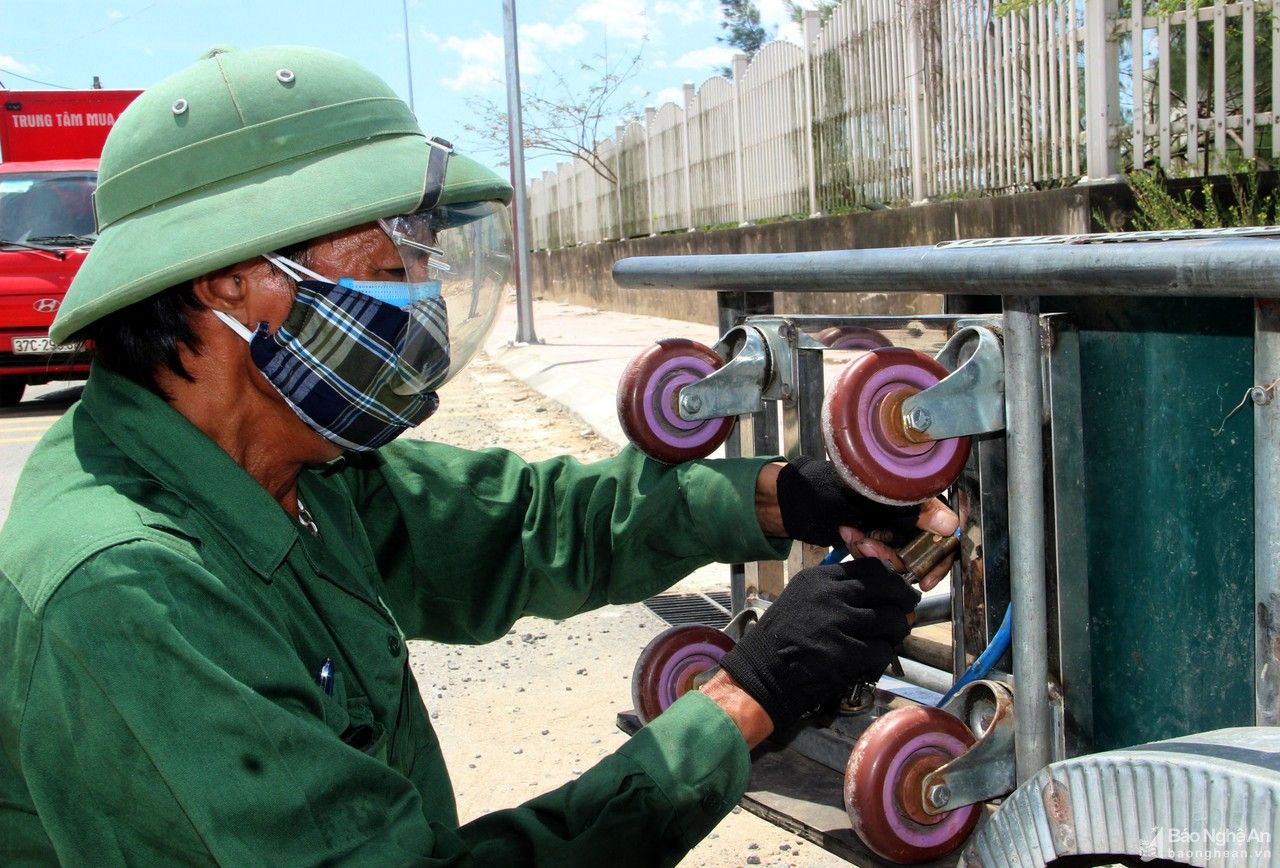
1231,263
1206,266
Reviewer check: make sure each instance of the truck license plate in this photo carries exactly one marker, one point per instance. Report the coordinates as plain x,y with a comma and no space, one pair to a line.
42,346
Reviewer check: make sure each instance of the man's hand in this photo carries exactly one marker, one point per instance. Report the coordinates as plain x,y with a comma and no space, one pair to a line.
832,627
860,545
806,500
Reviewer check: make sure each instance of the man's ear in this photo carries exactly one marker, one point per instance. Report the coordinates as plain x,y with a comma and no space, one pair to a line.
224,289
232,289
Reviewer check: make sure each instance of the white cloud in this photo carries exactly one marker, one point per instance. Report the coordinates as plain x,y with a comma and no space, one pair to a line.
688,12
710,58
545,35
772,12
620,18
669,94
790,32
114,15
481,62
11,63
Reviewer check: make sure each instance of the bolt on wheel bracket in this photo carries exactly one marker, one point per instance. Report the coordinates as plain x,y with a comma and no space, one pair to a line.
968,401
986,770
735,389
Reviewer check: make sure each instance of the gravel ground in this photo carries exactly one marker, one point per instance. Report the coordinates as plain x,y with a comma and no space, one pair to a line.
527,713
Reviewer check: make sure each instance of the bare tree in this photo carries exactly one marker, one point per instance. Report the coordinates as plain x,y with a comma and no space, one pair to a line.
564,118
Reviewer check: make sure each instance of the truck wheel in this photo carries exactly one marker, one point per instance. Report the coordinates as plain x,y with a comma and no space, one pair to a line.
11,389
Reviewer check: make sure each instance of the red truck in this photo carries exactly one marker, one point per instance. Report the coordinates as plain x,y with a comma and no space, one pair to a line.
50,142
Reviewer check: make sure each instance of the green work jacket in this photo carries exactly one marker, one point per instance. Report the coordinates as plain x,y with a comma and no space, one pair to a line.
165,623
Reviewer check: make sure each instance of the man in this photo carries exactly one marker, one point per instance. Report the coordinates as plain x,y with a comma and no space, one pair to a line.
211,566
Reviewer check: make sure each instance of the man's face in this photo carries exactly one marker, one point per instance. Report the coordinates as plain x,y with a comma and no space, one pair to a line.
361,253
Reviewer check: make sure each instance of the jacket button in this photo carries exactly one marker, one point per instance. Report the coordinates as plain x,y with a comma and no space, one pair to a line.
711,803
393,644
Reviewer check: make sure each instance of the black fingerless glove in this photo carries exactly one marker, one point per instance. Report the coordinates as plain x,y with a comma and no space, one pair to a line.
814,502
832,627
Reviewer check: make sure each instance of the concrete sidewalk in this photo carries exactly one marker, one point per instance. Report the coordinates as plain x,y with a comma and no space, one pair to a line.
582,355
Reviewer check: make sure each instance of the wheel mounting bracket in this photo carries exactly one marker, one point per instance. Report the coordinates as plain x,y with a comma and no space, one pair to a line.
735,389
970,400
986,770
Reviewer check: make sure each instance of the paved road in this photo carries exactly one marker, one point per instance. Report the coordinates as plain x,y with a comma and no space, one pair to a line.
22,426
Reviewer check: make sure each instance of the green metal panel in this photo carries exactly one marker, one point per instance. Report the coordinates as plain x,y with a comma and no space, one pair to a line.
1170,513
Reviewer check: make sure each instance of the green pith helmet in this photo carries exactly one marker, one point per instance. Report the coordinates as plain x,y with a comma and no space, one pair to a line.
243,153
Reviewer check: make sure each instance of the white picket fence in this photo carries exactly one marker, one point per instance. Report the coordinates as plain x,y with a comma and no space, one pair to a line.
894,101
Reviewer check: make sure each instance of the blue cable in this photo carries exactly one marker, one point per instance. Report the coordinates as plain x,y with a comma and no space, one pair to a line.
981,667
986,661
835,556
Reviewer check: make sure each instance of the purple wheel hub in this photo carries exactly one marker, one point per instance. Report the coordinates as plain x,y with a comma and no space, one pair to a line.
682,666
661,400
649,400
666,667
911,461
946,747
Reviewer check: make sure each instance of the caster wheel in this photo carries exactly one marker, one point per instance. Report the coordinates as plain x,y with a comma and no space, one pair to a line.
862,426
648,395
668,665
852,338
882,791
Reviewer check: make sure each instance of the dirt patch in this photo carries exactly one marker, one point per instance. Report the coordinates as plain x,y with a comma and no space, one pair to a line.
528,713
485,406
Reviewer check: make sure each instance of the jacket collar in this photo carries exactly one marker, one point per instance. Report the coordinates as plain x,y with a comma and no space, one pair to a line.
184,460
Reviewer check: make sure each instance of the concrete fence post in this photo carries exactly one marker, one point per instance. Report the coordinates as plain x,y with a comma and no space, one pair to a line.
740,63
688,169
617,184
1101,91
812,26
916,89
649,113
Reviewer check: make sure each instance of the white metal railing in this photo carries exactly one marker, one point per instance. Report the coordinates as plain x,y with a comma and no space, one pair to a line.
905,100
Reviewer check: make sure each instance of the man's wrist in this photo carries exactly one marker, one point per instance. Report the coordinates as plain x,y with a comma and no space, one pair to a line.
748,715
768,512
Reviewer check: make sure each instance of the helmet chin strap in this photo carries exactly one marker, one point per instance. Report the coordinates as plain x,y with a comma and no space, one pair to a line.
437,163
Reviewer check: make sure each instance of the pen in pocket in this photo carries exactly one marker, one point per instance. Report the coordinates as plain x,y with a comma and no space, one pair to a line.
325,676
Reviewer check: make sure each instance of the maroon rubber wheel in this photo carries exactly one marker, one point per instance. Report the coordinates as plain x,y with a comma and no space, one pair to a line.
648,401
852,338
882,785
668,665
862,427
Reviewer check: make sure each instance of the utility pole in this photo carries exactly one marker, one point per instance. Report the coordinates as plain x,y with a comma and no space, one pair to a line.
520,206
408,64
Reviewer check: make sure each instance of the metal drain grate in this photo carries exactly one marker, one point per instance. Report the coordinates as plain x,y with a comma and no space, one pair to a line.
711,608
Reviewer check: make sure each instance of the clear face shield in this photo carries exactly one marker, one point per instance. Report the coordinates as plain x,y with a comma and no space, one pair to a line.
457,262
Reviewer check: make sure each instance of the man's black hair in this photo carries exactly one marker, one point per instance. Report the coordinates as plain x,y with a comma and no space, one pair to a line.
144,338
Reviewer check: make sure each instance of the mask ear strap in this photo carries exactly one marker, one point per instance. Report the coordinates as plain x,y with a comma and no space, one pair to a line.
295,271
235,324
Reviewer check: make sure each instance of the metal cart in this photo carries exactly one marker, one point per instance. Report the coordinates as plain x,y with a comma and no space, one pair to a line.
1117,502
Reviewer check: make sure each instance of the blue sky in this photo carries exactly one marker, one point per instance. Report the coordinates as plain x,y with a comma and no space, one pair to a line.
457,47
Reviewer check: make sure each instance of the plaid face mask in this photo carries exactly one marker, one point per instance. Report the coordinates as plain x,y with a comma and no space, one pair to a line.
344,362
